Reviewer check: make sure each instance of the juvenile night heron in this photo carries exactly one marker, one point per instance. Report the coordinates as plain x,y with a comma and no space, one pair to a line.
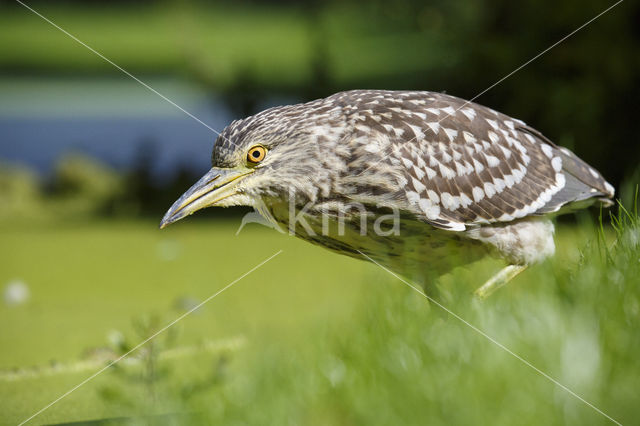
460,180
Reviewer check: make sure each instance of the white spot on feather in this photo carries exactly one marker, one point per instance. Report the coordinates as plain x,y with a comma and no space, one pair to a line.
465,200
417,131
609,188
478,166
509,180
506,151
468,137
556,163
493,123
446,172
489,189
468,166
407,163
460,169
470,113
448,110
451,133
518,174
435,127
433,196
449,201
560,180
547,150
516,143
478,193
432,211
566,151
505,218
492,161
413,197
419,172
419,186
373,148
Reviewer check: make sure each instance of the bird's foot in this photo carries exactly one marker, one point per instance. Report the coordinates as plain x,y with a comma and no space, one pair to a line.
505,275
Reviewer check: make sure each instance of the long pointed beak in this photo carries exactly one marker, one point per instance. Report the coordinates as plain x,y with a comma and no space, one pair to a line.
213,187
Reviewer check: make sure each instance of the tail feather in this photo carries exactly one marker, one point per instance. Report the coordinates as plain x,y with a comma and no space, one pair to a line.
584,185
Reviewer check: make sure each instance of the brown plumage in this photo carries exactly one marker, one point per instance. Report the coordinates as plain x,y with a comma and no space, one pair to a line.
463,163
461,177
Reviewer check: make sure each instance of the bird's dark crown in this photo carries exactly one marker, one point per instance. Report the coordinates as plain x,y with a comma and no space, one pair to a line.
270,128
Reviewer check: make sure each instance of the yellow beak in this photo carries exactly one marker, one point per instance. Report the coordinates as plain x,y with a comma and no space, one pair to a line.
216,185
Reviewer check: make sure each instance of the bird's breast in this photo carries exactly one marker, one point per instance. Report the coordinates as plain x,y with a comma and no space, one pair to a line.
404,244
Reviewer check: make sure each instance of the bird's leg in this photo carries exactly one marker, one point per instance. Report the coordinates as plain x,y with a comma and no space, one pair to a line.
431,290
505,275
428,280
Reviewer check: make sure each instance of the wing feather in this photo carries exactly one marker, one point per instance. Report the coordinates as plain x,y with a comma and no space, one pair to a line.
461,164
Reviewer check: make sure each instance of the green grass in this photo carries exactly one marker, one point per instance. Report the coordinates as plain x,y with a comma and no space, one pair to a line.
91,278
327,339
224,44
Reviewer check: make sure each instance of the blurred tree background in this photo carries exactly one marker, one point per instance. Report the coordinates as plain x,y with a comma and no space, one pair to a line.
582,94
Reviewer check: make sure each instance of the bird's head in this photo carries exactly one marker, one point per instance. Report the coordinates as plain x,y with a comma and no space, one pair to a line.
260,158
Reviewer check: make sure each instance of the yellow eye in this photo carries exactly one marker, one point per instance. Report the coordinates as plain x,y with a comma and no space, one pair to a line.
256,154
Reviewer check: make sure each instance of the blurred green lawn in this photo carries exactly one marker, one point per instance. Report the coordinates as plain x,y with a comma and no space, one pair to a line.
328,339
224,44
94,277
